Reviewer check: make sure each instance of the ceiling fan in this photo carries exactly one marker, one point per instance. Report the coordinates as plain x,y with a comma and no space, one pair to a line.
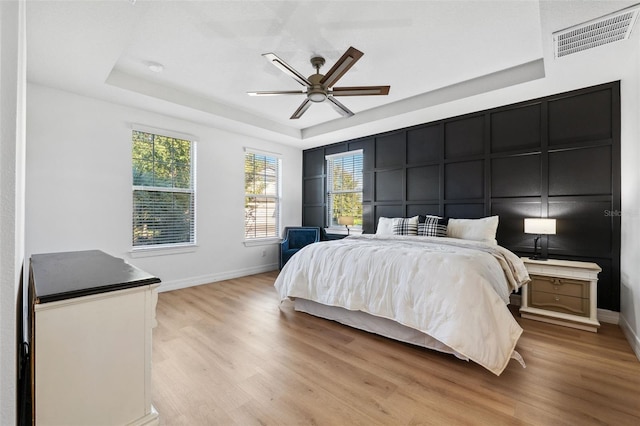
319,87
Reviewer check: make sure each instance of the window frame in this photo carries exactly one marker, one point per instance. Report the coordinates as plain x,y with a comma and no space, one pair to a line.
172,247
267,239
329,159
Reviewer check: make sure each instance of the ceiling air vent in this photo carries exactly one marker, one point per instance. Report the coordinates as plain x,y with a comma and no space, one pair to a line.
607,29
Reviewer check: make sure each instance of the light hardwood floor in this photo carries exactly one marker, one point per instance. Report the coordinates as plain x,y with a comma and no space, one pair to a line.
227,353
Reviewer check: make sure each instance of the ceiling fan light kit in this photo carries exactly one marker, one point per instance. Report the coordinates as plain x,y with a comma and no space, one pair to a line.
316,92
319,87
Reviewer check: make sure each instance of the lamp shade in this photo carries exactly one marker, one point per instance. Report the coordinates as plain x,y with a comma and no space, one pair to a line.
345,220
539,226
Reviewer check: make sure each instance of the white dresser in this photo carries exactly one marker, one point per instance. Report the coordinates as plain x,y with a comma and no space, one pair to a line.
91,323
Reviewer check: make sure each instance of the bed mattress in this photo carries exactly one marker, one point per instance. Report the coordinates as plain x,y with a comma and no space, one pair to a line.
454,291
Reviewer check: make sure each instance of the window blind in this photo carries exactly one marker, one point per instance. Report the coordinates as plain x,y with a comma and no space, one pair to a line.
344,184
262,195
163,190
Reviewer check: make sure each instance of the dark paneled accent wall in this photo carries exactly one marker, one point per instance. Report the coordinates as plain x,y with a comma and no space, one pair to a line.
557,157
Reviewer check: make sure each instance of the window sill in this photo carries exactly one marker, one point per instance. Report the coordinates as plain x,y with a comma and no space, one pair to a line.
161,251
261,242
343,231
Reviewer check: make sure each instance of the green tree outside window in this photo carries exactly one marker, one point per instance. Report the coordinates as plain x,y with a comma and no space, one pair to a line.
344,182
163,190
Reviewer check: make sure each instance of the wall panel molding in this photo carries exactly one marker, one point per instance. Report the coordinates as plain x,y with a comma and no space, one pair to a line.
557,156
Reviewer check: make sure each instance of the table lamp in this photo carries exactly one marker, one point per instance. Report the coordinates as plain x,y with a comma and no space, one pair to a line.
540,227
346,221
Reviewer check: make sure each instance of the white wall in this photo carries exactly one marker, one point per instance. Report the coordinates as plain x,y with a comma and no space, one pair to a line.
79,188
12,169
630,270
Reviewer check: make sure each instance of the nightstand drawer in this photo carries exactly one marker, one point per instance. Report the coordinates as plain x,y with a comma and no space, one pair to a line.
559,303
561,286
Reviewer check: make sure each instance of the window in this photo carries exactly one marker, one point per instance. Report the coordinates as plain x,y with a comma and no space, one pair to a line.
262,195
163,191
344,187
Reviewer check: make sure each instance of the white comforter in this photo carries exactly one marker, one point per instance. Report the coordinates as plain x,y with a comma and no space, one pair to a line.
454,290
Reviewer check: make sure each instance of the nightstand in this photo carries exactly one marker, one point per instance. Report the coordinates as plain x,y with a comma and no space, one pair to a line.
561,292
332,237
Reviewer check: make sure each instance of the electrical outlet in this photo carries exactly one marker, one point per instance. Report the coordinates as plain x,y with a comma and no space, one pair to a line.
264,253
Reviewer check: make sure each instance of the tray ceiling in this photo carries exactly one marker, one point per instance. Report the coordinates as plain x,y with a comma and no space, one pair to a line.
211,53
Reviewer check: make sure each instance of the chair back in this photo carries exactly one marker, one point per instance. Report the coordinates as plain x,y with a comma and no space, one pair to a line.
301,236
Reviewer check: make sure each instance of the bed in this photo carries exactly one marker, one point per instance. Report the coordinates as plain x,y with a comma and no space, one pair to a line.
446,294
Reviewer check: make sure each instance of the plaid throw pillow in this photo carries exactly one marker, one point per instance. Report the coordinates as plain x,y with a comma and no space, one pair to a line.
433,226
408,226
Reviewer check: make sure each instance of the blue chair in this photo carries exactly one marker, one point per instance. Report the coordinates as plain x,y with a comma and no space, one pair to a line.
296,237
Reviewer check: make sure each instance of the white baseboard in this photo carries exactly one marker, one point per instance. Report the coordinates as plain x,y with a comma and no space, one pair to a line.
604,315
206,279
151,419
610,317
632,338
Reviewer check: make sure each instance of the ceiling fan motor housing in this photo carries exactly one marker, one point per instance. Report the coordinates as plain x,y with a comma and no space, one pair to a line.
316,92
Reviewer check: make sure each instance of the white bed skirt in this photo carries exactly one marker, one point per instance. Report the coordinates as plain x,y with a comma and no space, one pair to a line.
372,324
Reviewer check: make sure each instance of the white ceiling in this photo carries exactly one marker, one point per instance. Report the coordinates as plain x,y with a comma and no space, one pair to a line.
427,51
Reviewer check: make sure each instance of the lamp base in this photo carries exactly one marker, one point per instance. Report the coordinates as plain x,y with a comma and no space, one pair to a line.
536,255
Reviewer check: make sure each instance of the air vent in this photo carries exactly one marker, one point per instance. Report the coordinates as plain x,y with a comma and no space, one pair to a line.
607,29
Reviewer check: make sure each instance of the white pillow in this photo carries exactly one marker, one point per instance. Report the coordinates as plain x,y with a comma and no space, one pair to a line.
474,229
385,226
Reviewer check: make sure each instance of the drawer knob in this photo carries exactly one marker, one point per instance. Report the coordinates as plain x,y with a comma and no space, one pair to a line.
557,299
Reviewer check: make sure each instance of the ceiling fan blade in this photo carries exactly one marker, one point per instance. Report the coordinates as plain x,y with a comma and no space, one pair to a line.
301,109
342,66
277,92
339,107
287,69
360,91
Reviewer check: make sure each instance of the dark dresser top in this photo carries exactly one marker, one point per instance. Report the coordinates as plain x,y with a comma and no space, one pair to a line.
59,276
